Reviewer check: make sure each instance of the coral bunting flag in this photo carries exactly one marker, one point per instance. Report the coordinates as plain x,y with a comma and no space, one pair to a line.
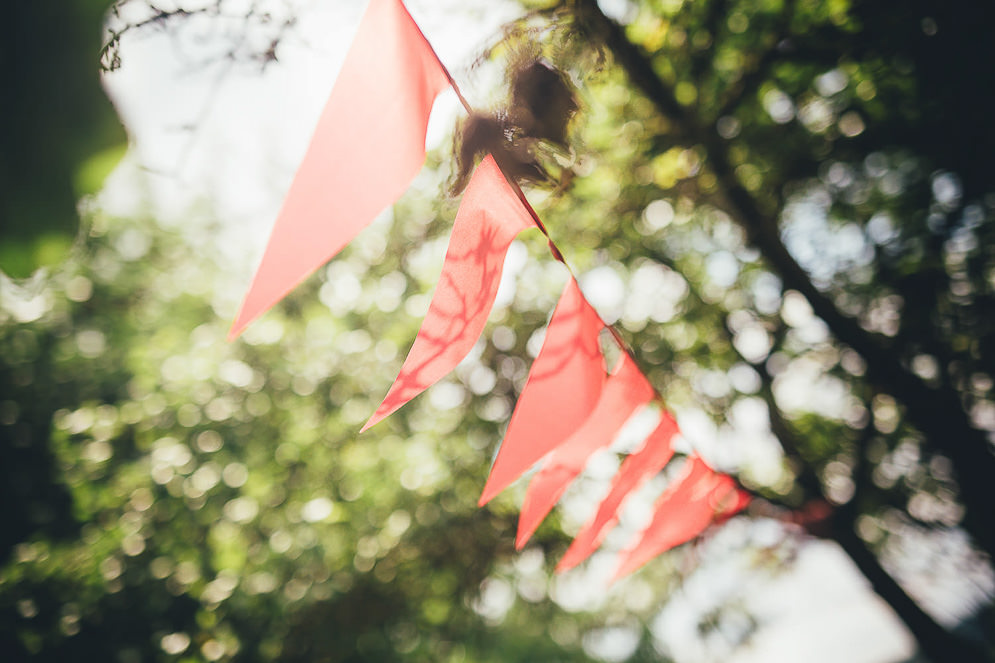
683,511
490,216
368,145
655,453
625,390
563,386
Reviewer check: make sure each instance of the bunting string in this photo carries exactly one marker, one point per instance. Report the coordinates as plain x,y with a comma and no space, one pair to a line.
571,405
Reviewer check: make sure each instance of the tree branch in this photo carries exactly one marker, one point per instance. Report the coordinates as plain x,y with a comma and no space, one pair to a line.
934,640
755,76
937,413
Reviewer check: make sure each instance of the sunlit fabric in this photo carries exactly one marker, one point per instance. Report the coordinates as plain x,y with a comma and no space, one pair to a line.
368,145
489,218
700,497
563,387
655,453
625,390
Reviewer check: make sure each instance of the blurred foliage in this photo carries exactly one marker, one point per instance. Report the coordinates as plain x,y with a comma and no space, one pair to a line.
60,134
182,498
179,498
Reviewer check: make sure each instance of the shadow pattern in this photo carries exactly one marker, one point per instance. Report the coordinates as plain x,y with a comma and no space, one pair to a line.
489,218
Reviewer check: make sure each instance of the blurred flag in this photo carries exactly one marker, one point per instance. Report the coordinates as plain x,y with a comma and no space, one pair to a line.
490,216
562,389
625,390
702,496
655,453
368,145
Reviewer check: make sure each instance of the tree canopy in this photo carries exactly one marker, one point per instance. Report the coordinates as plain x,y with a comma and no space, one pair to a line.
784,206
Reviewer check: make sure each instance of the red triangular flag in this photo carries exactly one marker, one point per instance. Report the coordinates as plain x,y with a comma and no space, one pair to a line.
367,147
655,453
684,511
625,390
563,386
489,218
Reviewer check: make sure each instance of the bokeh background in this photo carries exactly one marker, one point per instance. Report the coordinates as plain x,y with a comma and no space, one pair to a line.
784,206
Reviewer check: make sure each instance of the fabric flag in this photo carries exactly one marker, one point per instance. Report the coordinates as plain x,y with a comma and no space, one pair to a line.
368,145
655,453
563,386
625,390
489,217
683,512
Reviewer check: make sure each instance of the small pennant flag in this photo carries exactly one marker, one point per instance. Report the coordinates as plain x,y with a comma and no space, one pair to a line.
489,218
625,390
366,149
684,511
563,386
655,453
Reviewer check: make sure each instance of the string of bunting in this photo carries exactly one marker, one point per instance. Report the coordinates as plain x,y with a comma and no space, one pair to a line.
372,129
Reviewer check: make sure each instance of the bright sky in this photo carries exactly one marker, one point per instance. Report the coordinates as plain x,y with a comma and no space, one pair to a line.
236,141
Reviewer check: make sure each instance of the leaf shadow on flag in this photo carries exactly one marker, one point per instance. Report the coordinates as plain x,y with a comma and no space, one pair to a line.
454,311
582,345
489,219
